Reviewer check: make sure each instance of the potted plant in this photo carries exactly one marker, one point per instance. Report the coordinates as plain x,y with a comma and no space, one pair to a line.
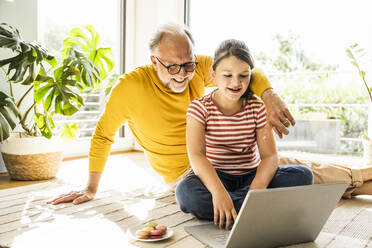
355,53
49,88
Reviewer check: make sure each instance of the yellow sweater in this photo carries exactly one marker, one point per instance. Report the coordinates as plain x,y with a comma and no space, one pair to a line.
156,116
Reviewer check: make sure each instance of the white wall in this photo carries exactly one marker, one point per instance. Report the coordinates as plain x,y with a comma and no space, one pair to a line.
21,14
143,17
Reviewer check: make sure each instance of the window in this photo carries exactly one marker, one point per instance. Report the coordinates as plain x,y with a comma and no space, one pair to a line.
301,47
55,20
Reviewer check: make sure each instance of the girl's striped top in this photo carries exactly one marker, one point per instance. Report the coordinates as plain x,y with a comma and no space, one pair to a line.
231,144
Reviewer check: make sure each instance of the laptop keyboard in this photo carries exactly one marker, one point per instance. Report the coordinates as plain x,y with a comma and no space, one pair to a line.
221,237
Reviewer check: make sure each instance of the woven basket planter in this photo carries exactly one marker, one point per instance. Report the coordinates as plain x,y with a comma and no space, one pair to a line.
32,158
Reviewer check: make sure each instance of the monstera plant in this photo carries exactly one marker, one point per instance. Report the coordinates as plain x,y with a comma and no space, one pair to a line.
39,88
56,87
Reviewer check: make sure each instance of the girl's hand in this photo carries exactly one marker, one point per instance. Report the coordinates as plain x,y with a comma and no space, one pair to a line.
223,209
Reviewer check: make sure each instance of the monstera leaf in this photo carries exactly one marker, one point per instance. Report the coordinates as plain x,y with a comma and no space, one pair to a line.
7,109
28,56
83,70
89,46
58,92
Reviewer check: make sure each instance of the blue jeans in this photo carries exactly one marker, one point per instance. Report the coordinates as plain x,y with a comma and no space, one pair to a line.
193,197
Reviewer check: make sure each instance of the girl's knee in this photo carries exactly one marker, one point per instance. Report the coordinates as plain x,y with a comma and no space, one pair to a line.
187,193
305,174
182,192
296,175
192,197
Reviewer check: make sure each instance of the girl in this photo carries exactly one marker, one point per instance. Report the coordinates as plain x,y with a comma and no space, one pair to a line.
230,146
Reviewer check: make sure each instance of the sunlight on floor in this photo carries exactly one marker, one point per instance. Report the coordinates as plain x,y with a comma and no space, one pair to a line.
140,208
26,219
69,232
129,187
124,172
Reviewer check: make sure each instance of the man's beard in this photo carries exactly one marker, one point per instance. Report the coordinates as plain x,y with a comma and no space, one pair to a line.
170,85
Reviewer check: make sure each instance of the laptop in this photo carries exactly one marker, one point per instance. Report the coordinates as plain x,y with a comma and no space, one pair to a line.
275,217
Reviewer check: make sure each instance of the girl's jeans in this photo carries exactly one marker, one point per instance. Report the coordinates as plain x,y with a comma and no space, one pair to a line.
193,197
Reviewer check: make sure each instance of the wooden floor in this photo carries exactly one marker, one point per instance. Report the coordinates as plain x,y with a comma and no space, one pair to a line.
131,195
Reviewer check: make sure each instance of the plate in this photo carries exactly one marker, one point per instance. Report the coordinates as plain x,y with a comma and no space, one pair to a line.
132,234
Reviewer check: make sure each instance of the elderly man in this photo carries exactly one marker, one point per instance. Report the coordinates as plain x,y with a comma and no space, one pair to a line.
167,86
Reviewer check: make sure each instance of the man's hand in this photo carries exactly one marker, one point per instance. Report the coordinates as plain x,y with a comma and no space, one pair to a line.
76,197
278,114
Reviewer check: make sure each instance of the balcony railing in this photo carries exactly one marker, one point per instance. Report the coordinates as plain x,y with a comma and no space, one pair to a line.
339,96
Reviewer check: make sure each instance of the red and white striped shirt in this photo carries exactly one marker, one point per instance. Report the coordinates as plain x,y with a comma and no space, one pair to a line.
231,144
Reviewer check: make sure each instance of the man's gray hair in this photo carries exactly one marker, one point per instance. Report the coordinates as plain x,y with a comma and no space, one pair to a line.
169,28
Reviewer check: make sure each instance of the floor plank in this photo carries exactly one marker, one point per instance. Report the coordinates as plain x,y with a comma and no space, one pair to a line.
25,218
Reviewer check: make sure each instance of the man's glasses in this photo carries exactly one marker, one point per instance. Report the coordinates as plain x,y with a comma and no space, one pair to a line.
176,68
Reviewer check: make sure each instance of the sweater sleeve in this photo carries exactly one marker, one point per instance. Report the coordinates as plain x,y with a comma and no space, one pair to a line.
113,117
260,82
204,66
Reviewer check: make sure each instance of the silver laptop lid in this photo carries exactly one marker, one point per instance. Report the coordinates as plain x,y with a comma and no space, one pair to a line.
284,216
277,217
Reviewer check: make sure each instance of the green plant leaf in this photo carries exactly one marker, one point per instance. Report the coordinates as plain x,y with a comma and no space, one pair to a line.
49,100
70,43
43,78
349,53
51,122
42,123
8,118
362,74
355,54
58,104
69,109
76,39
9,115
101,58
111,83
58,73
68,71
78,32
52,61
89,73
28,55
31,75
93,43
7,101
10,37
70,132
41,92
4,128
354,64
